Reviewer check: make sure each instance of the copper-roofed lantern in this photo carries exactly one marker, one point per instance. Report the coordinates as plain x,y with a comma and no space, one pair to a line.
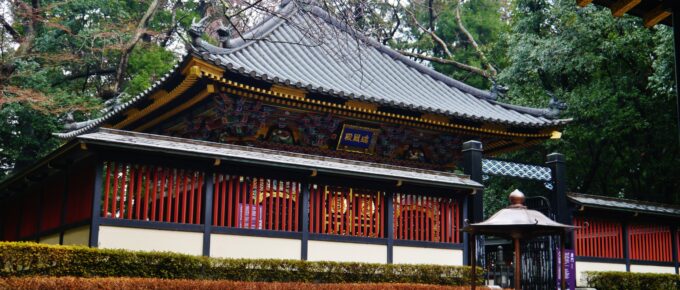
518,222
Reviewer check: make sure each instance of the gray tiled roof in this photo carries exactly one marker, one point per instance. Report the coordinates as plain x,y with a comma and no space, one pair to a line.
306,48
624,204
273,158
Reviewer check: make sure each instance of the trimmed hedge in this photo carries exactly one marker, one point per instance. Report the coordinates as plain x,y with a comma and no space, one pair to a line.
74,283
31,259
632,281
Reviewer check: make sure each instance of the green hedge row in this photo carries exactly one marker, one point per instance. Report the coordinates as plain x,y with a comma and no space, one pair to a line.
30,259
632,281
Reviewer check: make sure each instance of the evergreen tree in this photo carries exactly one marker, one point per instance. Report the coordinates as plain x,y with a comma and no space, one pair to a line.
616,77
59,60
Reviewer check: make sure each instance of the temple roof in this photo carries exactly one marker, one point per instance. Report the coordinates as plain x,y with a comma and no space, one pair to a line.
622,204
306,48
303,47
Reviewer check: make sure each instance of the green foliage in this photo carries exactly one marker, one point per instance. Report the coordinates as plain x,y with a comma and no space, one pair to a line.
148,64
616,77
632,281
30,259
66,68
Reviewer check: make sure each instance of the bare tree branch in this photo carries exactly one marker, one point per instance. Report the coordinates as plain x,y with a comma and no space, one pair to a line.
88,73
471,38
125,56
434,36
389,35
175,24
457,64
8,27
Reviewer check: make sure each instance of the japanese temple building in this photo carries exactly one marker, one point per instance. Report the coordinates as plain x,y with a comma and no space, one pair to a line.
273,146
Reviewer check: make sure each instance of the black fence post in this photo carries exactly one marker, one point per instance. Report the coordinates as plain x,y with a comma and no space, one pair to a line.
96,203
304,243
472,166
208,213
674,240
64,202
626,246
389,200
558,171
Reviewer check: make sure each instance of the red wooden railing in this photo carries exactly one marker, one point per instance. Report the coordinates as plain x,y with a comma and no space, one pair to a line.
152,193
256,203
650,243
426,218
346,211
599,238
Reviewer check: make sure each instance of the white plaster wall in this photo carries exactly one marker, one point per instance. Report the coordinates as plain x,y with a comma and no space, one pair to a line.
233,246
150,240
346,252
78,236
414,255
593,266
51,239
652,269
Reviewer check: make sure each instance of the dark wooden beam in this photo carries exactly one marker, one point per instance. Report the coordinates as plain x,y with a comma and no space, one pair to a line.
619,8
656,15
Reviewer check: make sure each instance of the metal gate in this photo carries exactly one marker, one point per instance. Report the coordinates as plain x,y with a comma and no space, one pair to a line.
538,257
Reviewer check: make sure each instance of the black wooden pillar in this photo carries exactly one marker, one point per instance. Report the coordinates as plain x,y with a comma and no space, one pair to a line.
208,211
474,209
472,166
96,204
304,243
558,199
674,240
626,246
64,202
41,209
389,200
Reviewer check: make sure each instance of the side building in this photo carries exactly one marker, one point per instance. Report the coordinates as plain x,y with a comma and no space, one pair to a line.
624,235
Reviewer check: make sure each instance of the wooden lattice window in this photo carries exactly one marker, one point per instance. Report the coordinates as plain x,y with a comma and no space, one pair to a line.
426,218
650,242
256,203
598,238
347,211
152,193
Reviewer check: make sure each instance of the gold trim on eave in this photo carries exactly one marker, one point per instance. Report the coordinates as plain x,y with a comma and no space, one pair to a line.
289,91
361,105
331,107
209,89
435,118
195,63
160,98
555,135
